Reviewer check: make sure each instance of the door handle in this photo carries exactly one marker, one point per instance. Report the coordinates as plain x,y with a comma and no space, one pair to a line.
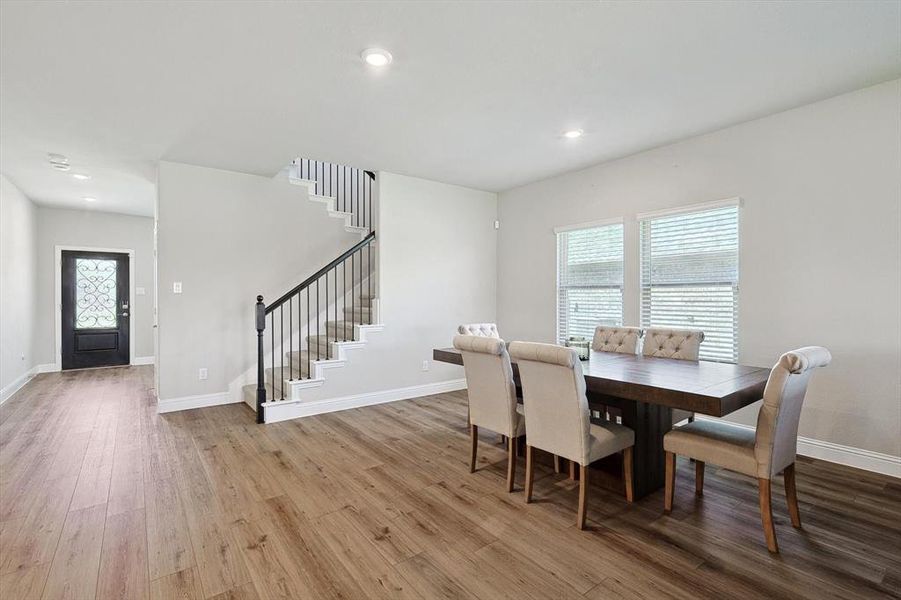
125,314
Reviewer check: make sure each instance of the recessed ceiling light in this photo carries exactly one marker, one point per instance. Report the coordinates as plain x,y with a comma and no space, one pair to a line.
89,199
376,57
573,134
81,176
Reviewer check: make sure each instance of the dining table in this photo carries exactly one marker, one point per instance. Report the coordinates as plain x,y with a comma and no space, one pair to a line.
645,390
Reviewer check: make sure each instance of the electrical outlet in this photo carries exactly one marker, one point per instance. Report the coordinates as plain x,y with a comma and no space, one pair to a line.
176,287
202,373
425,365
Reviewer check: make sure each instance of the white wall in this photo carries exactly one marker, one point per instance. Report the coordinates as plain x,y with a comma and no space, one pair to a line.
88,228
437,268
18,244
820,247
227,237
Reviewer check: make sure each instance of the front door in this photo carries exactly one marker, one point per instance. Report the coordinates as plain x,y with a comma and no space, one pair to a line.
95,309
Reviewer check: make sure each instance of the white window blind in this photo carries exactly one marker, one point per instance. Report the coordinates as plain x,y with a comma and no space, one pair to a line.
589,280
689,277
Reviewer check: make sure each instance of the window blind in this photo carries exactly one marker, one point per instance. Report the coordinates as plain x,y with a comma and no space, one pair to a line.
689,277
589,280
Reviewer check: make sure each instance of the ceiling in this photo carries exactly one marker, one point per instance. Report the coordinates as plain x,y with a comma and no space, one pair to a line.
478,93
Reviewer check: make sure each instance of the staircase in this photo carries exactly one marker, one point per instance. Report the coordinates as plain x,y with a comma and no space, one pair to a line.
311,328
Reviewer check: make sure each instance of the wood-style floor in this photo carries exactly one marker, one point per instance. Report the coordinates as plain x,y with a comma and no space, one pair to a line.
102,497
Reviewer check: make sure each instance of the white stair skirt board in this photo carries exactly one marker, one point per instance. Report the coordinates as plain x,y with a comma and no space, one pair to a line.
191,402
867,460
293,409
331,205
293,387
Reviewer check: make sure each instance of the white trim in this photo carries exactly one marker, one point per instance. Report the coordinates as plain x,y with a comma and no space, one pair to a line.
17,384
143,360
702,206
46,368
588,225
190,402
293,409
876,462
58,307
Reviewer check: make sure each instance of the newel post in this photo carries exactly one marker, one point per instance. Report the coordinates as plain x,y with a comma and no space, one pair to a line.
261,384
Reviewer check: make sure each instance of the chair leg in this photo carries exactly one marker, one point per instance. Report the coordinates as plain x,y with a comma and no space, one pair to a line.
766,515
699,477
511,462
474,434
556,464
791,495
573,474
530,471
670,486
583,495
627,473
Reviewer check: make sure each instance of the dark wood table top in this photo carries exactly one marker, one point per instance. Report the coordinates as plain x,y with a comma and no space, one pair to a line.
704,387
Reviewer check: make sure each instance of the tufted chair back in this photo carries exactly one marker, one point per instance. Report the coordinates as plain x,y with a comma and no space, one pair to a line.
553,393
777,421
479,329
489,379
616,339
682,344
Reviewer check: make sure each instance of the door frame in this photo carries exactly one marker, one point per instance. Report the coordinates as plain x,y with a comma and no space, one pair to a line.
58,299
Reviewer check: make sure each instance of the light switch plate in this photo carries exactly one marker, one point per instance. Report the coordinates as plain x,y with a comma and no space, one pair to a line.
176,287
139,291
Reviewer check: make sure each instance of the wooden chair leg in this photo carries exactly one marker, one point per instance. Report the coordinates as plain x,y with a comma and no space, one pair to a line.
474,434
511,462
530,471
699,477
791,495
556,464
627,473
573,474
583,495
766,515
670,486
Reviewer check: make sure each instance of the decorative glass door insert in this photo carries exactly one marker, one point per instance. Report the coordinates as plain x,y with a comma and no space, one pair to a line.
95,294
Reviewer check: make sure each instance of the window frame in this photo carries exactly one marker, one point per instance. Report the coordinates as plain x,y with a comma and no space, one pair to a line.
565,229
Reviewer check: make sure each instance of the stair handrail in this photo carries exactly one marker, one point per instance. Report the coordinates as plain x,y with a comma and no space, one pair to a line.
318,274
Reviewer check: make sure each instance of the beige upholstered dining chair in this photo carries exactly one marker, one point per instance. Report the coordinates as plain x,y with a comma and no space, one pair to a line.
557,419
681,344
616,339
763,453
479,329
492,395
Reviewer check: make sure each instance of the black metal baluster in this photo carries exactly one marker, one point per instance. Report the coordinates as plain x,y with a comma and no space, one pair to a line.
344,285
261,375
353,299
317,321
336,300
272,357
328,348
309,353
291,338
281,348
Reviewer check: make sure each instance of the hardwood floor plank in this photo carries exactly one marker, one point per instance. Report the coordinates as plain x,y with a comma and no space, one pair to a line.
123,561
77,555
182,585
169,547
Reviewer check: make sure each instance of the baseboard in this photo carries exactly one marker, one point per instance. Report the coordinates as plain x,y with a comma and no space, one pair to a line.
143,360
293,409
867,460
46,368
17,384
190,402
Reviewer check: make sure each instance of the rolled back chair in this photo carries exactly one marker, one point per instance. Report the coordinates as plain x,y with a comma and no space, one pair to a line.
680,344
616,339
492,394
762,453
557,417
479,329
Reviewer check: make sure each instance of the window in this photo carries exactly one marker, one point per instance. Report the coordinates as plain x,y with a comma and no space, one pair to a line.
589,279
689,276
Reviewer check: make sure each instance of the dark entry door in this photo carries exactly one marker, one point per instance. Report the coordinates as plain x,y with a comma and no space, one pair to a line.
95,309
